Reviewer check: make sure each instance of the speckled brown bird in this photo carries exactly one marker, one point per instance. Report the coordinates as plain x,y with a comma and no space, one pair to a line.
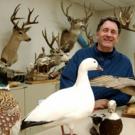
10,116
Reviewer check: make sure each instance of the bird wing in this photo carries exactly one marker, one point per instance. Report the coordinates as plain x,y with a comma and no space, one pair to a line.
59,105
124,84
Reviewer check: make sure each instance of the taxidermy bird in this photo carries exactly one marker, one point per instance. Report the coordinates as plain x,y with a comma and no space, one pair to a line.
112,124
10,116
124,84
66,106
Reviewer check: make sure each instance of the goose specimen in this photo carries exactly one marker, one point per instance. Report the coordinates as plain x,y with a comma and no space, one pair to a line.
124,84
68,105
10,114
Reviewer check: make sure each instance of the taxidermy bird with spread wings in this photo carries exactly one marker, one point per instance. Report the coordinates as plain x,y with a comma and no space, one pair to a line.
66,106
124,84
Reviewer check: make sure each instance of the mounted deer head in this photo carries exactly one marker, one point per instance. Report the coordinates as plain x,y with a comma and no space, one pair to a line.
69,37
124,15
9,53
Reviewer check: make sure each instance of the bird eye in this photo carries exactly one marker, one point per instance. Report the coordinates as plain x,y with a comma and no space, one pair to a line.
94,61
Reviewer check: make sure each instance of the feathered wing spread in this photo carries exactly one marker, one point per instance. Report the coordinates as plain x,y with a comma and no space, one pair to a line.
10,114
125,85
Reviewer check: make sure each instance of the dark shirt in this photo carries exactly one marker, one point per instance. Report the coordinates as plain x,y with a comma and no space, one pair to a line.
113,63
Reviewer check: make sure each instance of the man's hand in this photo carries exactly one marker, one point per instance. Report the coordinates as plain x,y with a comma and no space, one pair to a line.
101,104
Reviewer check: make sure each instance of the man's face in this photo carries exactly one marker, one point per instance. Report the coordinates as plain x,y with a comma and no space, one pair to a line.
107,36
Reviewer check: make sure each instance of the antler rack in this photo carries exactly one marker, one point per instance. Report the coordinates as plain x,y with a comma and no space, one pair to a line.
125,15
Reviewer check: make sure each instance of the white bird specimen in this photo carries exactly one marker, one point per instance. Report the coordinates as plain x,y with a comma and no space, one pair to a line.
68,105
10,114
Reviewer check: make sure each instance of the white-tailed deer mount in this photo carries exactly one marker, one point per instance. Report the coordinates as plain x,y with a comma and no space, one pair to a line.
125,15
9,53
69,37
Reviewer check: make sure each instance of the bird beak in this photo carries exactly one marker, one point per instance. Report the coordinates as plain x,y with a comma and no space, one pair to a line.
110,110
99,68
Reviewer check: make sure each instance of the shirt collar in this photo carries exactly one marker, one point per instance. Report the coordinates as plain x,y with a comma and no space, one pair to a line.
104,54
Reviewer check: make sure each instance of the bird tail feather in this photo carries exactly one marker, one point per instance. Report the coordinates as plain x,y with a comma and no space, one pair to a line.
27,124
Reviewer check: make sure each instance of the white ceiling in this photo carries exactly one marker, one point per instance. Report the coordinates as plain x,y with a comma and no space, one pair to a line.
106,4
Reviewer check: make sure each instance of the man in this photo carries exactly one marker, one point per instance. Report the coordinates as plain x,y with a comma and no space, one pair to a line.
113,63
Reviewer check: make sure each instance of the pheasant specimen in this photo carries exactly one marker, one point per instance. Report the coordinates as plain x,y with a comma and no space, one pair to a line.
10,117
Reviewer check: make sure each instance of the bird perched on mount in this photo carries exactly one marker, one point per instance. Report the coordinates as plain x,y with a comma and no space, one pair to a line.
110,124
66,106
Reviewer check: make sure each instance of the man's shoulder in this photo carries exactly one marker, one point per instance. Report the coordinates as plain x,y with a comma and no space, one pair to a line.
87,50
123,57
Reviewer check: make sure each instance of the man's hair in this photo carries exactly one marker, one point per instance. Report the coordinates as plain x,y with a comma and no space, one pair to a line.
112,19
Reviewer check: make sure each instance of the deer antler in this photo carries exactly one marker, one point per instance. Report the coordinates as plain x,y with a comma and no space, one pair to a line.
28,22
88,12
125,18
58,42
46,39
13,18
67,9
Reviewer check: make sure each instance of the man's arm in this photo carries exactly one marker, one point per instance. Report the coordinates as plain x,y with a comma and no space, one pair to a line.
121,98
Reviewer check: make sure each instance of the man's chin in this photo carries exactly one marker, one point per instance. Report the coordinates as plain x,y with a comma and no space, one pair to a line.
108,46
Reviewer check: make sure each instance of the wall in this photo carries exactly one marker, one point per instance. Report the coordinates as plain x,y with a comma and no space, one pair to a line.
50,17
